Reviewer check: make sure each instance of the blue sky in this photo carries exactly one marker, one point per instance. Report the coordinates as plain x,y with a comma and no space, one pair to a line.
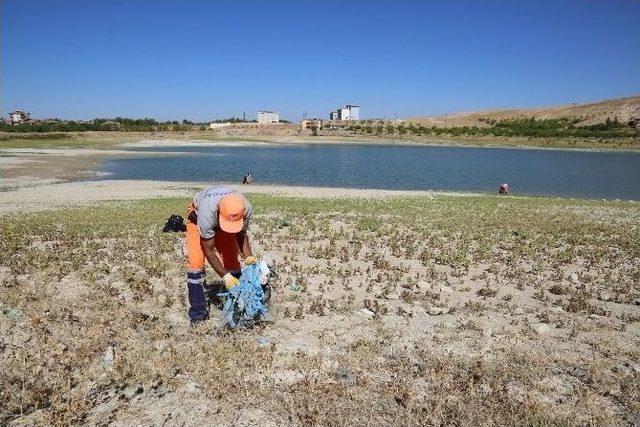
206,59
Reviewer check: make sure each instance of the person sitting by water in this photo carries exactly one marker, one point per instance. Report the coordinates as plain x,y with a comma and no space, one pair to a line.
248,179
503,189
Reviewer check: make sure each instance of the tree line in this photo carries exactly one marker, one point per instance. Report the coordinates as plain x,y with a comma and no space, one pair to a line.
521,127
116,124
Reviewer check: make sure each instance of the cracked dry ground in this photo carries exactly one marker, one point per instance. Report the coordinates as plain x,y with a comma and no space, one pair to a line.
442,310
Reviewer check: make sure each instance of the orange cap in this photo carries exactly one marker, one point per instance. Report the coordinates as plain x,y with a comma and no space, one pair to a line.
231,213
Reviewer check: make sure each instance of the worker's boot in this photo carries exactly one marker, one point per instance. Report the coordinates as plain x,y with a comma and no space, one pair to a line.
198,310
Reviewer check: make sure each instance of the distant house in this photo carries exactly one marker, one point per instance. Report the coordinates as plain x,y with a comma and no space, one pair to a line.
18,116
348,112
268,117
311,124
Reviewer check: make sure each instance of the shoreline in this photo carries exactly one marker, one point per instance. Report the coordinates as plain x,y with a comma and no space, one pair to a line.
377,142
36,194
110,140
456,142
74,193
61,164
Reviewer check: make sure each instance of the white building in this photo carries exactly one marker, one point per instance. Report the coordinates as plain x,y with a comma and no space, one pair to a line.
354,112
268,117
348,112
17,117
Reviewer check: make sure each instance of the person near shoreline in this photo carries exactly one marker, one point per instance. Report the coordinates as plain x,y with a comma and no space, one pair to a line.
503,189
248,179
218,220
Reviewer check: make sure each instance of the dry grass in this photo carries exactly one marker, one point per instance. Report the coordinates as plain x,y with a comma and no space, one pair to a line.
451,335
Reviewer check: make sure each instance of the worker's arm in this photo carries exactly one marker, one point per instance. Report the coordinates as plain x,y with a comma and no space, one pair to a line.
243,244
210,253
230,281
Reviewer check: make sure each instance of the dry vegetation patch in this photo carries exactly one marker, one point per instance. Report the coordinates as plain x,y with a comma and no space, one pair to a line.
414,311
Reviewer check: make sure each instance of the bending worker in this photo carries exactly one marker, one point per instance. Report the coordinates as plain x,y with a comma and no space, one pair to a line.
217,226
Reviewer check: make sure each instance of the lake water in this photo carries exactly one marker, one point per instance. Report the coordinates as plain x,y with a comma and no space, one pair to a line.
608,175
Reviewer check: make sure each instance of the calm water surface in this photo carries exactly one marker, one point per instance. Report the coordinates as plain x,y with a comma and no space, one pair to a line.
607,175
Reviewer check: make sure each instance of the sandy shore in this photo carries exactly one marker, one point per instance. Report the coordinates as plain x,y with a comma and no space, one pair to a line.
21,166
34,194
154,143
515,144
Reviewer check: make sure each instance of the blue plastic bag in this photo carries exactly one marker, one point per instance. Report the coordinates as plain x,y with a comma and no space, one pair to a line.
244,304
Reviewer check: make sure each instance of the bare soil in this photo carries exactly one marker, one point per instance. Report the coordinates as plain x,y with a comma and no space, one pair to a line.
589,114
389,309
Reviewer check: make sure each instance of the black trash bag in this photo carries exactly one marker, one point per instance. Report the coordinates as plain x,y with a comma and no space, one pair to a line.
175,224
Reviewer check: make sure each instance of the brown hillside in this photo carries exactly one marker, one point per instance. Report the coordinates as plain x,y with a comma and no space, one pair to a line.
593,113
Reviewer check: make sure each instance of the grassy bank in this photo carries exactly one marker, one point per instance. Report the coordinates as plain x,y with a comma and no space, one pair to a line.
558,133
475,310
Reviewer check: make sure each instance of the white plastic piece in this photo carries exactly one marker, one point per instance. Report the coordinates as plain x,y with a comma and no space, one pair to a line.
264,272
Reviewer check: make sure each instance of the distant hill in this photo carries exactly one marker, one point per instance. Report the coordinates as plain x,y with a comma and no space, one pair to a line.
589,114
